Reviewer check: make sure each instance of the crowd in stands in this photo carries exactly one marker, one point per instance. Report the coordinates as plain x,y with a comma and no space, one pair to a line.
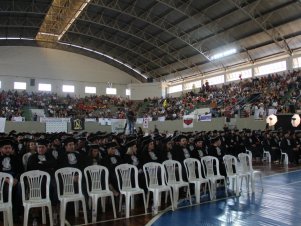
49,152
13,104
274,91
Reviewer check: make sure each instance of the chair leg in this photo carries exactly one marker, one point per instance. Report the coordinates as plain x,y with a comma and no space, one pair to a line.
120,202
127,206
84,210
26,212
132,202
145,206
50,214
62,213
147,199
156,201
197,191
188,195
76,208
103,204
174,198
94,209
166,195
113,205
43,215
10,216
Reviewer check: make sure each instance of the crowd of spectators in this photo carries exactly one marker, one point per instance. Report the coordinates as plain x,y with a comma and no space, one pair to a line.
274,91
14,103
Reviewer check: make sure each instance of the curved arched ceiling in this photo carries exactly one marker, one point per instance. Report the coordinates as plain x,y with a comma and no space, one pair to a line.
159,38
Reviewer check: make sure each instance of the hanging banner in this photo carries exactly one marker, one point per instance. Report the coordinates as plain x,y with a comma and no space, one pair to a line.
258,114
272,111
118,125
90,120
77,124
56,126
2,125
105,121
161,119
205,118
188,121
139,121
145,123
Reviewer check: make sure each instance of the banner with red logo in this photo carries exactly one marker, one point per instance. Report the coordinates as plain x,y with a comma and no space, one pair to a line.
188,121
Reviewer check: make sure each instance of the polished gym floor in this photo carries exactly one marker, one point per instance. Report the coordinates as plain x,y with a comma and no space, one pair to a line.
277,204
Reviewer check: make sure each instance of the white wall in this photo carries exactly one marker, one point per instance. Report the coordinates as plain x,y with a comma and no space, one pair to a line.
57,67
145,90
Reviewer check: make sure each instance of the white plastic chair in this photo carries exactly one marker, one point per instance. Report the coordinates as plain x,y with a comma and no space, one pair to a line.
266,156
283,157
125,173
230,162
67,178
6,206
173,177
25,158
194,175
247,168
95,176
32,184
210,166
155,172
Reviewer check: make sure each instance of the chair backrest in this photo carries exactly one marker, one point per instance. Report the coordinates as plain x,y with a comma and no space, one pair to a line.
154,174
4,178
210,166
125,174
25,158
66,180
246,162
193,168
230,162
97,178
173,171
35,184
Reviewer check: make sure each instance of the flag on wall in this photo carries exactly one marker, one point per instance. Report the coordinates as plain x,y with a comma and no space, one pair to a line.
77,124
188,121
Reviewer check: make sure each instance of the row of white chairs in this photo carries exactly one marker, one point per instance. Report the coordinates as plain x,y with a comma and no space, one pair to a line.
165,177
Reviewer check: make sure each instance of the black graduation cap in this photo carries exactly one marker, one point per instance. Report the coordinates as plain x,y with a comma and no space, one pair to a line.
131,143
214,139
68,140
166,139
111,145
93,146
6,141
42,142
197,139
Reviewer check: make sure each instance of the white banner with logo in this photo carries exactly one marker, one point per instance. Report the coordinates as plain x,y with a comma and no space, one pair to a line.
145,123
90,120
2,125
188,121
272,111
18,119
205,117
105,121
258,114
161,119
118,125
139,121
